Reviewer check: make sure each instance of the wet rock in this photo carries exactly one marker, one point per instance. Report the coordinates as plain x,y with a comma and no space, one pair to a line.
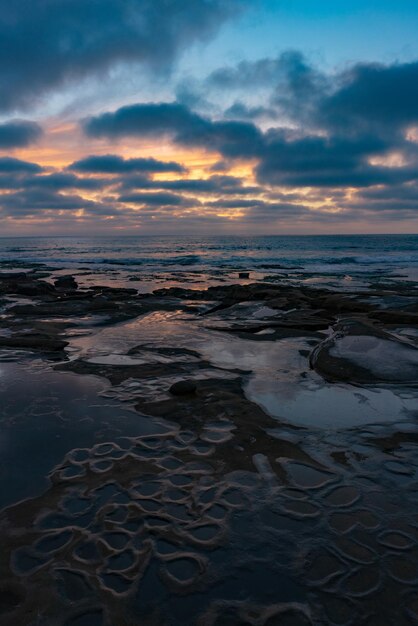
397,317
102,303
109,501
360,353
33,288
342,303
13,276
303,321
183,388
34,341
66,283
244,275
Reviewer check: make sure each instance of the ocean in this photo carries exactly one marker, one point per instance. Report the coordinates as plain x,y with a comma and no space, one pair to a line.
346,260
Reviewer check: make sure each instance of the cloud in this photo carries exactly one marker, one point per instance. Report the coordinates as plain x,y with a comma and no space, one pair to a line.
285,87
340,147
213,184
396,201
113,164
291,78
9,165
146,120
20,175
18,134
239,110
284,157
363,98
180,124
194,185
314,161
46,43
157,199
30,202
59,181
372,97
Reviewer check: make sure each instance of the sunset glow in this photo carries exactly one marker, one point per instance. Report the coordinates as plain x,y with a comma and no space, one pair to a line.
279,139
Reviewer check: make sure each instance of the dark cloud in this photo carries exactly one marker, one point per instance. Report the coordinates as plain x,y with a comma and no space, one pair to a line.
287,86
241,111
29,202
346,128
287,158
236,204
157,199
327,162
284,157
362,99
392,194
289,72
26,185
113,164
178,122
372,98
214,184
16,177
18,134
220,166
396,200
259,211
62,180
146,120
44,43
9,165
361,113
191,185
295,85
218,185
134,181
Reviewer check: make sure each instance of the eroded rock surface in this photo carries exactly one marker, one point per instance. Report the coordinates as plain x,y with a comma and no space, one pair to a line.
361,353
218,507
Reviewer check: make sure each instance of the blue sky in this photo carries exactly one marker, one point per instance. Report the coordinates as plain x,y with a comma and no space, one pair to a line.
220,116
334,32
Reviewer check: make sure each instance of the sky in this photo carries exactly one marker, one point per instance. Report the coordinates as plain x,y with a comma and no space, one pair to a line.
214,117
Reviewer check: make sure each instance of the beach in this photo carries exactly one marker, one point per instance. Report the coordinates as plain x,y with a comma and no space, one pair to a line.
218,431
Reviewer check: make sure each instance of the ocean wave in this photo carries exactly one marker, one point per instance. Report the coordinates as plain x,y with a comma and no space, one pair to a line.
339,255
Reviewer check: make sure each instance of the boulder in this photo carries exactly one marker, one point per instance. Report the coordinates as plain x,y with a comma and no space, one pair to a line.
183,388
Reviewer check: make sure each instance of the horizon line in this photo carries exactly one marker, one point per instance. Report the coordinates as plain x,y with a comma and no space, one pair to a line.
415,234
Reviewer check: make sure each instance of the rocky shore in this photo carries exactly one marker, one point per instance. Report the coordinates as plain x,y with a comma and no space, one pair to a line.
211,493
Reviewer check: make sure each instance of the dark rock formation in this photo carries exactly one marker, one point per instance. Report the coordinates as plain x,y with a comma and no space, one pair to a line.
183,388
66,283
